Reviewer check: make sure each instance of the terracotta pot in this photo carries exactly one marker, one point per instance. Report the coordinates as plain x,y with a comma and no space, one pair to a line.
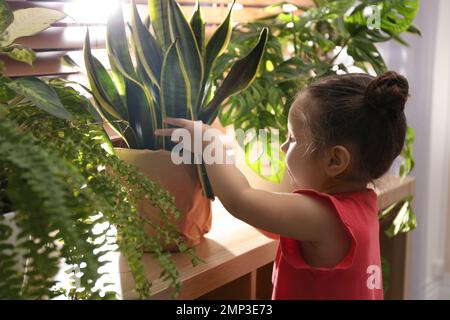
182,182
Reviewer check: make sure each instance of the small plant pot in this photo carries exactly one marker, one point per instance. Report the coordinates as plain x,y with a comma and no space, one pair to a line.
182,182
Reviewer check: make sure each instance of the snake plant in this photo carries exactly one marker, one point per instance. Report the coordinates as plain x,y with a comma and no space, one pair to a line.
163,68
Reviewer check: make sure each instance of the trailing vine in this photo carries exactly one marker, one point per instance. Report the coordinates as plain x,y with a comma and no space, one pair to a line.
67,191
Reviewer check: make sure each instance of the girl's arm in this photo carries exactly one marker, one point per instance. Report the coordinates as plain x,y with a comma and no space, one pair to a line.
287,214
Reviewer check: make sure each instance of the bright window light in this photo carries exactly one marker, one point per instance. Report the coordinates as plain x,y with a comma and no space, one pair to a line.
287,7
93,11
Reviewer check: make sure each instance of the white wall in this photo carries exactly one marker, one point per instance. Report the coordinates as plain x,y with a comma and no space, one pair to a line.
426,63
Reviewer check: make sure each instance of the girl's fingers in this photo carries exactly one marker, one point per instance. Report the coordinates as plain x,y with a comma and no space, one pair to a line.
179,122
164,132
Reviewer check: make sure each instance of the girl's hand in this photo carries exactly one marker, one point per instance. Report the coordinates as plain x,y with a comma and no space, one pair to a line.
181,123
193,130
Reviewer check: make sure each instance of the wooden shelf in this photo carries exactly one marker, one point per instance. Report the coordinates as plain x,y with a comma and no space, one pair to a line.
233,250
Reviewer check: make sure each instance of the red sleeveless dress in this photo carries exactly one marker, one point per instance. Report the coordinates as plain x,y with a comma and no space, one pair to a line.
357,276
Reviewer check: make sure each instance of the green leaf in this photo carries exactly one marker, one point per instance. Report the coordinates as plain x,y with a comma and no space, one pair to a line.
386,274
117,47
414,30
276,164
40,94
106,95
19,53
141,116
404,221
146,47
68,61
198,27
218,42
159,15
239,78
102,85
173,86
366,52
72,99
28,22
396,16
6,17
188,53
6,94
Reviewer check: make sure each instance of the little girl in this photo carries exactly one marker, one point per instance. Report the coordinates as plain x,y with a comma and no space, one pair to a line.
344,132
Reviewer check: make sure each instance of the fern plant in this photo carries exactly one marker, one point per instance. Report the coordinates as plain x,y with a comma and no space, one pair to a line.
59,188
53,155
171,76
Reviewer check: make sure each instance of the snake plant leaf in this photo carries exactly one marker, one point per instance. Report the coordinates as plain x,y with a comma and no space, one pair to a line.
40,94
191,61
241,75
198,27
146,47
118,50
102,85
150,87
159,16
6,16
173,90
173,86
219,42
208,191
121,128
147,23
28,22
141,116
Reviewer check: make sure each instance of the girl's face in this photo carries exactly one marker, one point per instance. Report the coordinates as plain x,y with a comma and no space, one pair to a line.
303,166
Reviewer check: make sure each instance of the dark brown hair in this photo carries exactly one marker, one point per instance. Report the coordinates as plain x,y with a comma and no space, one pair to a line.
362,112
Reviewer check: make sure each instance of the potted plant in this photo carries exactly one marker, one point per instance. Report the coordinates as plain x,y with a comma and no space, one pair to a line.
53,159
170,76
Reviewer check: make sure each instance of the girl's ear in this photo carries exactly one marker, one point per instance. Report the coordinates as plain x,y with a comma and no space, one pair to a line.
338,160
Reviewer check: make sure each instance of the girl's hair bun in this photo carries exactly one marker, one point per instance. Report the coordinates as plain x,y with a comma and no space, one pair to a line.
388,93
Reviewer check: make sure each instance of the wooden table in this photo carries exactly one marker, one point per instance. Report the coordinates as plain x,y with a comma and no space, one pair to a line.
237,257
